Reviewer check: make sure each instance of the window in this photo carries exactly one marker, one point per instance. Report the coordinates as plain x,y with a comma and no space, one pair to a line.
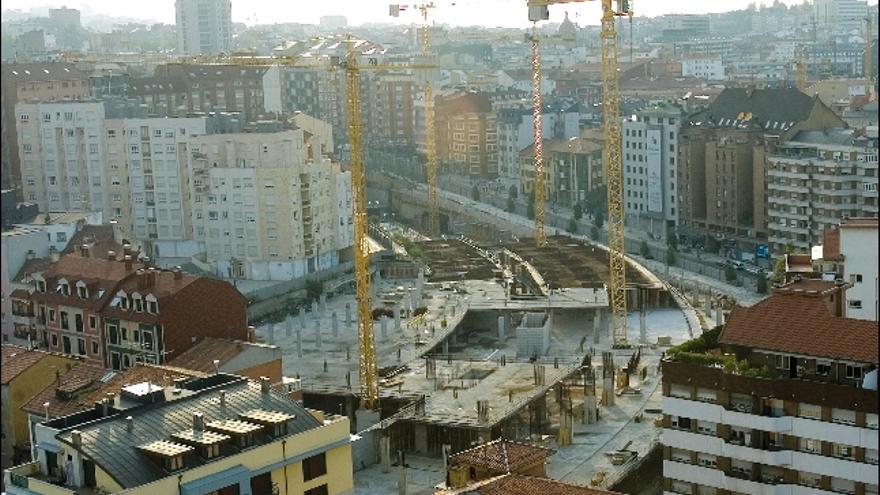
81,346
94,348
783,362
844,451
810,445
318,490
823,368
854,372
854,304
314,466
65,325
681,423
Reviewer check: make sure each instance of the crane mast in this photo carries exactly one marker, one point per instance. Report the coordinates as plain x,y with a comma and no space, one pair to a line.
801,67
368,369
613,173
430,143
868,63
538,185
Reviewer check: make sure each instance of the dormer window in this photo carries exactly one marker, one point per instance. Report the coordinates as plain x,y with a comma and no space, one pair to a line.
152,307
41,286
138,305
82,291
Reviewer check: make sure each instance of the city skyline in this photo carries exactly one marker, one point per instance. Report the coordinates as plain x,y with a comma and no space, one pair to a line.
376,11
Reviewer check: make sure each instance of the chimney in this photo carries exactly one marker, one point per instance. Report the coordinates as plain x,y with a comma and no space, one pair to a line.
76,438
198,422
178,273
58,375
128,262
105,408
141,276
126,248
111,255
129,424
252,334
53,254
222,398
84,250
151,276
265,385
179,382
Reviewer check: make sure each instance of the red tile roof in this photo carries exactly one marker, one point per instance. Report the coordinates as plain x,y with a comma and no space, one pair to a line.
139,373
809,286
16,360
515,484
859,223
502,455
801,324
67,393
201,356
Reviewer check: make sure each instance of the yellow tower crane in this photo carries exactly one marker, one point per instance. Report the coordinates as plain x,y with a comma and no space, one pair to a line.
610,69
539,184
800,67
868,63
430,136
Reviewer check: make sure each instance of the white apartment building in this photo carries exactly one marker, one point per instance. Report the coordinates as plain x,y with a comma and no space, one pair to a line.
814,180
146,181
650,154
61,147
800,419
841,15
711,69
264,210
18,246
859,251
203,26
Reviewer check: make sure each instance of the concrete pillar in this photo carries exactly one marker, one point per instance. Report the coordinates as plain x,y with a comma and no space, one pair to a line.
502,328
383,324
270,330
401,474
608,390
334,325
299,343
597,325
314,308
318,333
347,313
397,318
288,326
446,345
302,318
708,307
323,303
590,409
719,315
643,327
385,453
413,299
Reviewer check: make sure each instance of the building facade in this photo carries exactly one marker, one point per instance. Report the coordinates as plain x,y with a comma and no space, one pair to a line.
858,249
814,180
795,414
204,27
466,130
650,156
263,209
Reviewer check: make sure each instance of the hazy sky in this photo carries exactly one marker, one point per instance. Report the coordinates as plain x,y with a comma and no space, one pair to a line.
510,13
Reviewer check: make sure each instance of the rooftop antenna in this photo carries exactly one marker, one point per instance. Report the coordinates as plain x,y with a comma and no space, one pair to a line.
216,366
46,408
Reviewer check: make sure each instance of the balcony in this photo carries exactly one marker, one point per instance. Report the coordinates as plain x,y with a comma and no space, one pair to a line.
26,479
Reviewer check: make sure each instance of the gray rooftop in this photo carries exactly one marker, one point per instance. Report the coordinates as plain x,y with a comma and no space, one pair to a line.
115,450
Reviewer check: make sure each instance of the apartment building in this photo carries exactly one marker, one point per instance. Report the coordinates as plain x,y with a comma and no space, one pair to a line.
61,146
466,130
711,69
779,400
19,245
220,433
25,372
815,179
858,248
147,182
204,27
264,209
572,168
388,107
842,15
115,312
559,120
24,83
208,88
721,183
650,154
316,92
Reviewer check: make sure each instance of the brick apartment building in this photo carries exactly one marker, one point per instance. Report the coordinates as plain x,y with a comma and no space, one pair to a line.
117,311
467,134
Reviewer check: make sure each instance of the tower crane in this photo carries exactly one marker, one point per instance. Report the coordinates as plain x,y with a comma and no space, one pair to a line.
868,63
800,67
610,69
430,137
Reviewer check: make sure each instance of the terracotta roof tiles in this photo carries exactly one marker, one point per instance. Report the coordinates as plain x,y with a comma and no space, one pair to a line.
16,360
201,356
68,393
515,484
502,455
801,324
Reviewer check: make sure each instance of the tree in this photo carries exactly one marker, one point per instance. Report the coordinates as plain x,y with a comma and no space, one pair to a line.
670,256
672,240
599,220
762,283
314,288
730,273
578,211
475,193
572,226
645,250
597,200
779,268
